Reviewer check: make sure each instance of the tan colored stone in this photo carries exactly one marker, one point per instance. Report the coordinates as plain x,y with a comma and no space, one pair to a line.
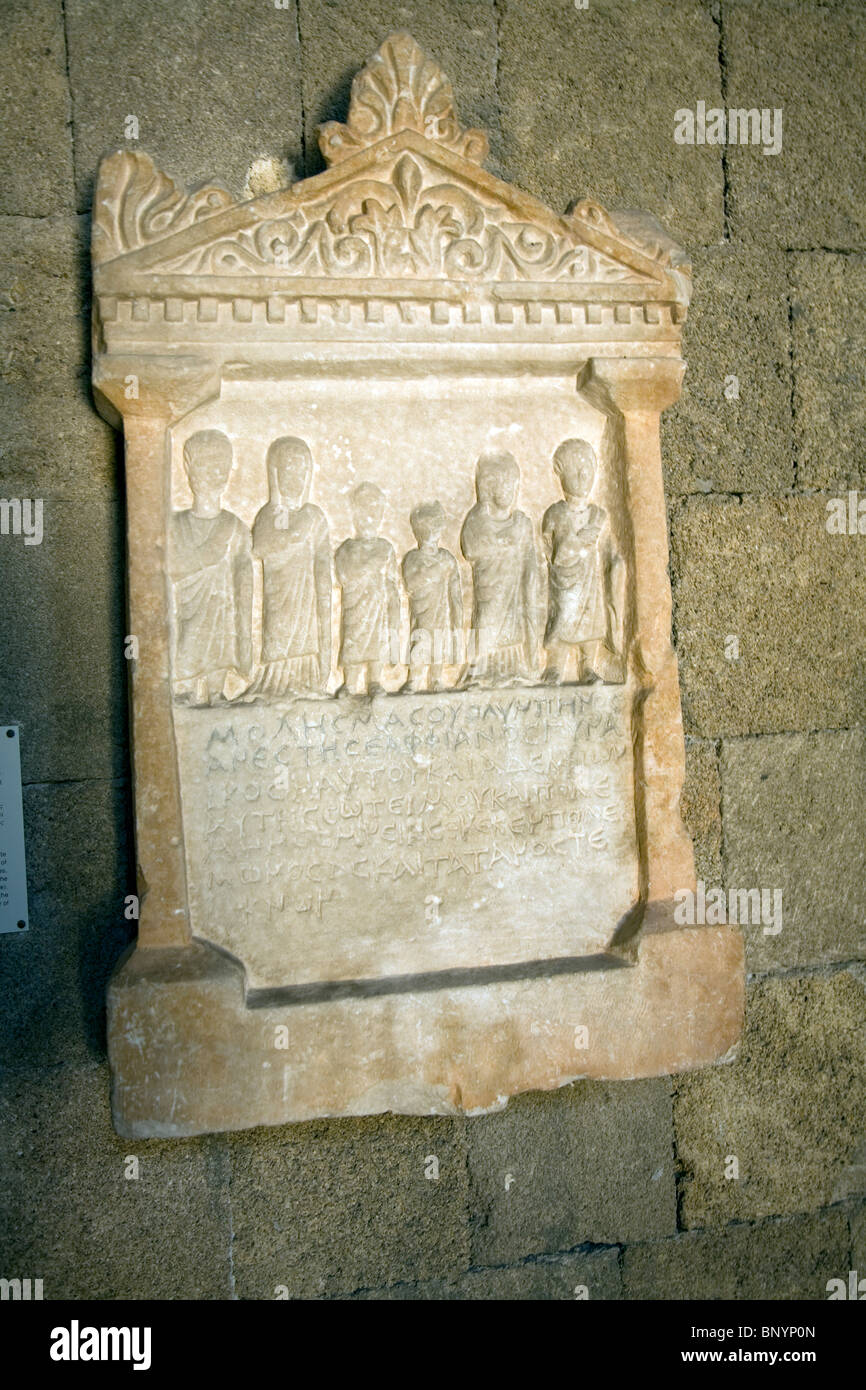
588,1163
53,443
36,144
782,55
739,568
828,330
731,430
407,734
325,1209
95,1219
213,1063
784,832
791,1110
789,1258
701,808
589,96
191,83
591,1276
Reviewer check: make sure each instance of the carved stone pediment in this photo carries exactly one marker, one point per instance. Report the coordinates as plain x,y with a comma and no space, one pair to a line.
409,210
407,733
405,214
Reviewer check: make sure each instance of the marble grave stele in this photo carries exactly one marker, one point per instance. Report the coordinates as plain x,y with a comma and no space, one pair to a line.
407,738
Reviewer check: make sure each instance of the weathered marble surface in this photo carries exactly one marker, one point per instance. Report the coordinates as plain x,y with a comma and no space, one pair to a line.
215,1064
406,712
455,830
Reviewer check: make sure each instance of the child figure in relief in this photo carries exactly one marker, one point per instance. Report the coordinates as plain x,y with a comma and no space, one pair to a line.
432,581
366,569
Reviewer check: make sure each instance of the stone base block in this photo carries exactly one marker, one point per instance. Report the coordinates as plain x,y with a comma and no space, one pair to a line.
190,1056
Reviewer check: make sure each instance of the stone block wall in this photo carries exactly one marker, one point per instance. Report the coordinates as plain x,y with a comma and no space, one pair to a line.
624,1189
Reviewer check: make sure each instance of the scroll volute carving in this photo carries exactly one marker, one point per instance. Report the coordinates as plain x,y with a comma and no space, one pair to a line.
137,204
409,211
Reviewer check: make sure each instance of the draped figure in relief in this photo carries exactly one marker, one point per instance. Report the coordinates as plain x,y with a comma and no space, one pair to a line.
366,568
432,581
497,539
575,532
291,541
210,566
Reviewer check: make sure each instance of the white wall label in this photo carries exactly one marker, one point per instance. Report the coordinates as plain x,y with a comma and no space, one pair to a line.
13,875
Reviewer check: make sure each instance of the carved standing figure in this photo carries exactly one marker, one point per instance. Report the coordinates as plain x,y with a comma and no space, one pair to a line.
580,558
290,538
210,565
367,574
498,542
432,581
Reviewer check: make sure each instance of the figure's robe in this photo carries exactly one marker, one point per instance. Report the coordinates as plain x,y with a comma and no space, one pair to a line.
208,562
575,537
292,546
504,577
430,579
367,575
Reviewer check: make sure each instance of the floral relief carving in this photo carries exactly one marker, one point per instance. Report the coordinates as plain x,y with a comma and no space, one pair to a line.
137,204
401,214
400,89
405,229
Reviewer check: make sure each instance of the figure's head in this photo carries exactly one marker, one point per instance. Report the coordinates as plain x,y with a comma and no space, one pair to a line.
290,467
368,508
428,522
207,458
496,480
574,464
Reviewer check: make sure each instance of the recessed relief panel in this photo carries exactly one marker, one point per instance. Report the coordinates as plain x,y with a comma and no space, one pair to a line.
399,677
